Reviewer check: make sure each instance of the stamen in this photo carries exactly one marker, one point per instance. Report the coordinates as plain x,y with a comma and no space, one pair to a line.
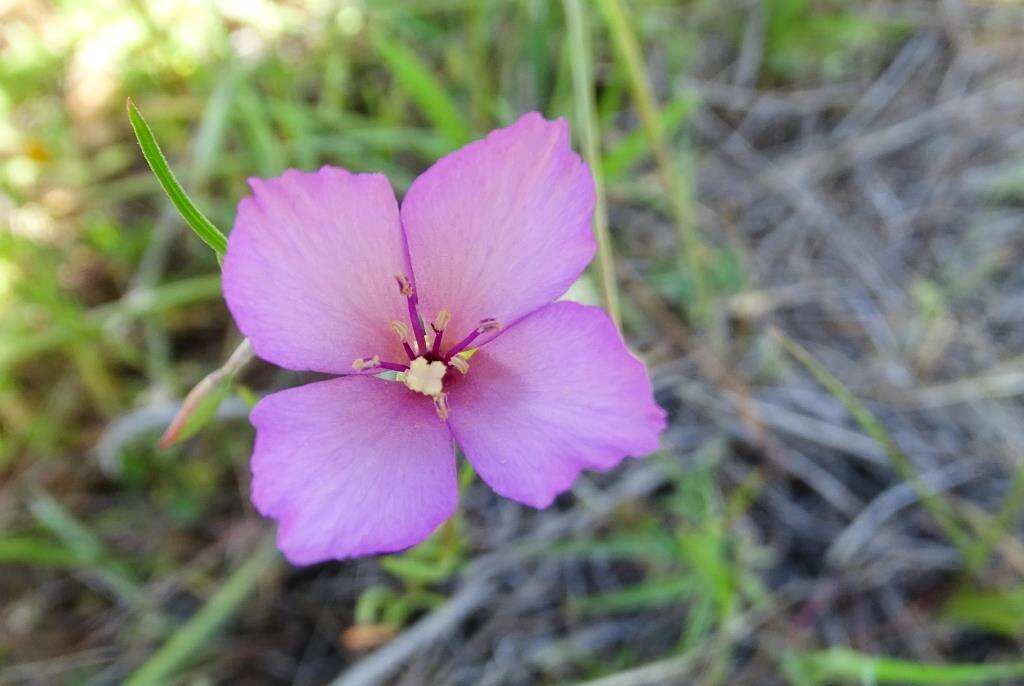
363,364
402,331
443,318
459,363
405,287
441,405
484,326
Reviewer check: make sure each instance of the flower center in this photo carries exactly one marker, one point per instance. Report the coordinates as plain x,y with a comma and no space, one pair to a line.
427,365
425,377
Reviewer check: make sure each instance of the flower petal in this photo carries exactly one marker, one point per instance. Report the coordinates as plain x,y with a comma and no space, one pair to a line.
310,269
501,226
555,394
351,466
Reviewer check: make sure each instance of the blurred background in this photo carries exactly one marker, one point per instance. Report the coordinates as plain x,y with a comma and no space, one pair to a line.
816,210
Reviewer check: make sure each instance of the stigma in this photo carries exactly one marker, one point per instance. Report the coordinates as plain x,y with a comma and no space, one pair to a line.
425,377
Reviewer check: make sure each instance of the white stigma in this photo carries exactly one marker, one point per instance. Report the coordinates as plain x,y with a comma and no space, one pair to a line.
425,377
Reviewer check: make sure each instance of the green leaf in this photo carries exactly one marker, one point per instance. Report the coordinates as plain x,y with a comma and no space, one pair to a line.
413,571
207,232
648,594
32,551
1000,611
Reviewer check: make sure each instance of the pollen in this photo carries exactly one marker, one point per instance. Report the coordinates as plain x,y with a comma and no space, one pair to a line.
362,363
443,318
441,405
404,285
459,363
425,377
401,330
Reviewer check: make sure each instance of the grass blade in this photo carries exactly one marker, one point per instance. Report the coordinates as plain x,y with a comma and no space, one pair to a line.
418,81
86,546
621,156
1002,523
32,551
194,634
675,186
938,508
197,221
844,666
586,120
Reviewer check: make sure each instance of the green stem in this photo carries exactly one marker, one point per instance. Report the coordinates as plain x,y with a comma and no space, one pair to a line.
586,116
676,189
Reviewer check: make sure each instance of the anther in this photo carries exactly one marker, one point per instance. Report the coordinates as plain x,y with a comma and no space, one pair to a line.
359,364
441,405
485,325
443,318
404,285
489,324
459,363
401,330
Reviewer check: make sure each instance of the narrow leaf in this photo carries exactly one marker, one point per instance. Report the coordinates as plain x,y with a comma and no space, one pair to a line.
844,666
202,226
196,634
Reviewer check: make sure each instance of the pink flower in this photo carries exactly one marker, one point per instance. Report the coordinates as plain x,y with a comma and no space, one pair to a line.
454,293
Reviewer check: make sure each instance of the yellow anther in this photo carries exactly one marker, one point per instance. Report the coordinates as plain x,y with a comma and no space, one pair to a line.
359,364
443,318
401,330
459,363
425,377
441,405
404,285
